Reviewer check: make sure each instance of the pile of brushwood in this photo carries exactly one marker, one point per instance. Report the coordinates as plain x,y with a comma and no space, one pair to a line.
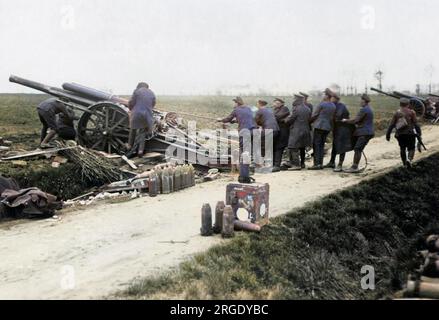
85,170
317,252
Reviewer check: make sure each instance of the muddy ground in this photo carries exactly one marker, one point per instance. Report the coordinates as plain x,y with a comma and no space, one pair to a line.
100,250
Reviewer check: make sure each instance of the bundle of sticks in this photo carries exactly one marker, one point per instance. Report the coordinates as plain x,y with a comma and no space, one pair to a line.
93,166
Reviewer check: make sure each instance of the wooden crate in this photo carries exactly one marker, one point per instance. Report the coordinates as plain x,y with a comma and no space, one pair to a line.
251,200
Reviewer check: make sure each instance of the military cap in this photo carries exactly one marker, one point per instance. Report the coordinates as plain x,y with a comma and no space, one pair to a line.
366,98
328,92
238,100
304,94
280,100
299,96
404,101
262,102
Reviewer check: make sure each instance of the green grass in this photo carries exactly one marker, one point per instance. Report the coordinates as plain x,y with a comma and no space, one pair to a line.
63,182
19,114
317,252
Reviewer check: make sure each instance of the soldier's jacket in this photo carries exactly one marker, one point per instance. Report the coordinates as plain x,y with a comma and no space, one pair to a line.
300,128
244,116
342,132
281,114
64,121
410,117
266,120
310,106
364,122
323,116
142,104
53,107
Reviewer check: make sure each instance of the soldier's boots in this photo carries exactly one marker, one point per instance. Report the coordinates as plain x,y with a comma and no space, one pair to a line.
353,169
339,168
316,167
411,156
355,166
330,165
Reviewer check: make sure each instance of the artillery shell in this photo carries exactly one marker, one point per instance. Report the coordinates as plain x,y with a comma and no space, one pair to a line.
165,182
423,289
219,212
206,220
228,223
152,185
246,226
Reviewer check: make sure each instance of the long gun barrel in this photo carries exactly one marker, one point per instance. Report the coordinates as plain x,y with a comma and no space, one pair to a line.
93,94
403,95
385,93
53,91
434,95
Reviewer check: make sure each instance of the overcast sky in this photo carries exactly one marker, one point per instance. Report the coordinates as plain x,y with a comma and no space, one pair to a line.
201,46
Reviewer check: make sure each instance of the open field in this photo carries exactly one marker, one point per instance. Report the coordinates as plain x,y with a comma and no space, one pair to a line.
19,115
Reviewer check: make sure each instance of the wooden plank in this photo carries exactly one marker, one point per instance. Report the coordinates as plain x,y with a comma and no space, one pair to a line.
110,156
152,155
36,153
129,162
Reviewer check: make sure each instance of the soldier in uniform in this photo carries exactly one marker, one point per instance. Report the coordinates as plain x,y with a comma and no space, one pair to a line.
66,126
430,110
243,114
323,122
405,122
307,103
266,120
47,111
365,131
281,112
141,107
342,135
300,133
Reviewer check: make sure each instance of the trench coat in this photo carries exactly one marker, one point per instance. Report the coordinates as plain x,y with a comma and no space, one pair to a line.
142,104
323,116
300,128
281,114
343,132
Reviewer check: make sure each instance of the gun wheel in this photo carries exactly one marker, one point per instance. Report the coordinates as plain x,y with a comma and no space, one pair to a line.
105,128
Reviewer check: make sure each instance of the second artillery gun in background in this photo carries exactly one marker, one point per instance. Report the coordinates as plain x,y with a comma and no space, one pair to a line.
417,104
104,124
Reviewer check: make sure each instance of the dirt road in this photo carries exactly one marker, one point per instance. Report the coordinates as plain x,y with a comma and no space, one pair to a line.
93,252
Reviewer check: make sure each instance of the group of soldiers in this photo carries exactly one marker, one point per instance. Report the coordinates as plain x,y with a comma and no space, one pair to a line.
296,130
293,131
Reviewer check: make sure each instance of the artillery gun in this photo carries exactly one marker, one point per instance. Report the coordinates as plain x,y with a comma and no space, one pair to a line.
104,124
417,104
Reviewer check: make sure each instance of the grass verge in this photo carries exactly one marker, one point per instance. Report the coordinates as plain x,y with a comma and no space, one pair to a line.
317,252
